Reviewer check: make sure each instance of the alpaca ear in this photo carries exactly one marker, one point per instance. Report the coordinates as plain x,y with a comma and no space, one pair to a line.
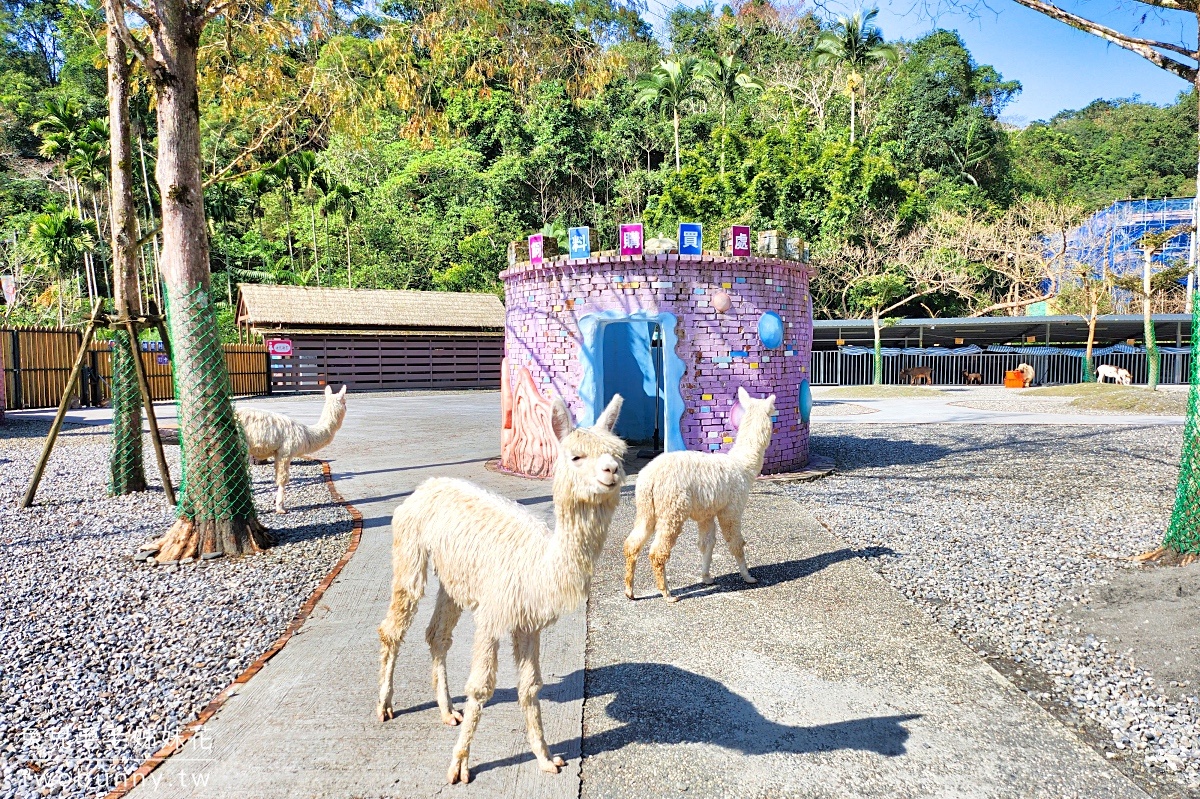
608,418
560,419
743,397
342,393
328,391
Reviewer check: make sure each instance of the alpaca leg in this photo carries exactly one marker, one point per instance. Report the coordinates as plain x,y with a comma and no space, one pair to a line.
731,529
526,651
480,685
708,539
660,553
642,530
399,618
439,635
282,465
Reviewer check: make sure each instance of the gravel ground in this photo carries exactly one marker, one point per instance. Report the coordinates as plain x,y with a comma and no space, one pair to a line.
1001,533
102,661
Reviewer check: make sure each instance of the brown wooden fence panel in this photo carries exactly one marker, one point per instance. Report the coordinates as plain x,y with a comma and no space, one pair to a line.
366,363
38,361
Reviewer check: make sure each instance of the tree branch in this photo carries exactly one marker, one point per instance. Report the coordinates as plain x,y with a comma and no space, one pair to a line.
1146,48
1000,306
122,30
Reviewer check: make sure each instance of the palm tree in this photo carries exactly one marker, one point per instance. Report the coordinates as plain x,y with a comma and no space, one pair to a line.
60,239
312,184
856,43
345,200
728,82
670,84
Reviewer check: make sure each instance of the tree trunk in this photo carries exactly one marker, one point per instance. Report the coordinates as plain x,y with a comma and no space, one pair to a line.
1152,364
126,469
852,99
216,503
312,214
676,124
1089,363
349,276
877,357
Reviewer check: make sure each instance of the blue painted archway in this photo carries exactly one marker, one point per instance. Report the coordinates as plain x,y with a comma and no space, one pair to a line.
591,354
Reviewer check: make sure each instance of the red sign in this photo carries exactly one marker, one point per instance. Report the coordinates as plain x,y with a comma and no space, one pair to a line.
740,240
279,346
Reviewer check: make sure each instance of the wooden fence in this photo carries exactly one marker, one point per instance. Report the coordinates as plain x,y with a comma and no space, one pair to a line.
38,361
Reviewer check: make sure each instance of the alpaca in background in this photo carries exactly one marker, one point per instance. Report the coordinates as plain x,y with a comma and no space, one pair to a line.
706,487
273,435
1114,373
1028,374
517,576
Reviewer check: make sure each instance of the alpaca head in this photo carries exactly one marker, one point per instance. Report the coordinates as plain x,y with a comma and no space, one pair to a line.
590,459
750,405
335,405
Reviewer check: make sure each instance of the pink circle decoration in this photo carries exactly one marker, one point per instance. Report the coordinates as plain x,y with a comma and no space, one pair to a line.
721,302
735,414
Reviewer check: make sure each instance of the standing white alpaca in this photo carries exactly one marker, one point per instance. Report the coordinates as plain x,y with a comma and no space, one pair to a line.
707,487
495,557
1116,374
273,435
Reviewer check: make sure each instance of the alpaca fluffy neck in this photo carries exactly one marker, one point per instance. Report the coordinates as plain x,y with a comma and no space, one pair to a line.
579,532
330,422
753,438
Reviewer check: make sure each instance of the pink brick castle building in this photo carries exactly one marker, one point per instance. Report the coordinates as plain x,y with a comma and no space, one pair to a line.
675,335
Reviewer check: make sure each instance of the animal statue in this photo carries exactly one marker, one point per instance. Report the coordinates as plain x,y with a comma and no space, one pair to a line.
1028,374
706,487
972,378
273,435
915,373
518,577
1108,372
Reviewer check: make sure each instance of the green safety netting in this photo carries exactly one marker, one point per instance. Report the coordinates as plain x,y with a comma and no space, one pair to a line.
1183,532
126,468
216,473
1089,370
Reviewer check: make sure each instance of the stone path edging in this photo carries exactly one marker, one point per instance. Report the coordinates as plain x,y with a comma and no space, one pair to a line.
177,741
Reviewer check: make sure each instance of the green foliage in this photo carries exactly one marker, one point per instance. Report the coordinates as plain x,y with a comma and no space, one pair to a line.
473,124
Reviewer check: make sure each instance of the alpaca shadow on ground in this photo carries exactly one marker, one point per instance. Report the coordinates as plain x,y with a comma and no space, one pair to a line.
884,451
770,574
663,704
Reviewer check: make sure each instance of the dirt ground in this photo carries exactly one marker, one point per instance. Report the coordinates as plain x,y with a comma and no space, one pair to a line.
1155,612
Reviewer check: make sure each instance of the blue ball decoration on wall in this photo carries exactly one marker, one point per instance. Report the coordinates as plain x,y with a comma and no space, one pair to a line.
770,330
805,401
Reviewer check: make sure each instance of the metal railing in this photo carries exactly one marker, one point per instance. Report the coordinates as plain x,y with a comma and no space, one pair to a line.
835,368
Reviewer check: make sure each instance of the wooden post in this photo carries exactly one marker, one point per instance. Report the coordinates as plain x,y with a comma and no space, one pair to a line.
148,404
88,332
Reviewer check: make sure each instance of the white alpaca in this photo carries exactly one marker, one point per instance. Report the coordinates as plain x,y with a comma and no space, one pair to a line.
1117,375
706,487
273,435
495,557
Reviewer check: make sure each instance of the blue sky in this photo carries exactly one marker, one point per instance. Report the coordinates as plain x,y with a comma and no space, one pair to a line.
1058,66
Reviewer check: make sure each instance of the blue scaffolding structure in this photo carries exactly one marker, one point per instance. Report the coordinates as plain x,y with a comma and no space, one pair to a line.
1110,237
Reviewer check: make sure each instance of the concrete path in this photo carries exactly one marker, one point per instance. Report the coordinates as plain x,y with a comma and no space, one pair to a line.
934,410
305,726
822,681
819,681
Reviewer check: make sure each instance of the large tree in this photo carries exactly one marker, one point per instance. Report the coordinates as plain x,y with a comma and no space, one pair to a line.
127,471
671,85
216,511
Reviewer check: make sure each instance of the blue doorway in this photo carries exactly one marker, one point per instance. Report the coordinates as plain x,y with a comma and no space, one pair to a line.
633,367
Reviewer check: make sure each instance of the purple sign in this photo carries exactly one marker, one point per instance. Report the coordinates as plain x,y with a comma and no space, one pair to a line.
632,239
739,240
535,249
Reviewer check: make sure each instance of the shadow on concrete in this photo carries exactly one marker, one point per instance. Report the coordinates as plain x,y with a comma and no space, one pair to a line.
885,451
663,704
347,475
775,573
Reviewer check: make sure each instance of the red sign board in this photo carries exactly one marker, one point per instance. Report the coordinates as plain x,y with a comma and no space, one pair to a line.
740,240
279,346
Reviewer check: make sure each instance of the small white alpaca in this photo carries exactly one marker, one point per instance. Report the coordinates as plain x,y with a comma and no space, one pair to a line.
1109,372
273,435
495,557
706,487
